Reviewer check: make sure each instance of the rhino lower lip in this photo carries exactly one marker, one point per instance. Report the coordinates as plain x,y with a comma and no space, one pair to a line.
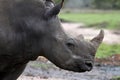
79,68
84,68
87,68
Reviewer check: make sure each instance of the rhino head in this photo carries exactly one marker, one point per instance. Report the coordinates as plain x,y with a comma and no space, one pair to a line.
83,52
74,54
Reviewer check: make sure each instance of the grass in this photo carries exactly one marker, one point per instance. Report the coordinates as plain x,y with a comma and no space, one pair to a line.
116,78
42,65
106,50
107,20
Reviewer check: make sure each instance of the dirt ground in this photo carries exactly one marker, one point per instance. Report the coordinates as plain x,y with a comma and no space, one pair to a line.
103,70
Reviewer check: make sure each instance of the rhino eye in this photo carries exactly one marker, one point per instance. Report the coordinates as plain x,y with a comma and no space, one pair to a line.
70,44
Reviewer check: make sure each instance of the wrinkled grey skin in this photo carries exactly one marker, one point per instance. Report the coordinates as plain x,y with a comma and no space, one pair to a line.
31,28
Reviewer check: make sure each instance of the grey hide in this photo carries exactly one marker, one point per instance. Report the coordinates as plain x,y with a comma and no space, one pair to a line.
31,28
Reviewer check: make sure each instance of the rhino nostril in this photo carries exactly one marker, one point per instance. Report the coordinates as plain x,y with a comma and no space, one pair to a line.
89,65
70,45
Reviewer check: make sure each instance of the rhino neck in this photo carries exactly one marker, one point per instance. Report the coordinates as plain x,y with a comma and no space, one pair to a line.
4,5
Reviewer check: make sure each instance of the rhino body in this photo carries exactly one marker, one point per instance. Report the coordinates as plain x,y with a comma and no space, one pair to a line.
31,28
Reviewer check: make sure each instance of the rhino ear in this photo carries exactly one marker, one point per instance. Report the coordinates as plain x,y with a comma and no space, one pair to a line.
98,39
49,4
55,10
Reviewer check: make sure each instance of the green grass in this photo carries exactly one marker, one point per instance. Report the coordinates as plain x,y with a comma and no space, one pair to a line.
116,78
107,20
106,50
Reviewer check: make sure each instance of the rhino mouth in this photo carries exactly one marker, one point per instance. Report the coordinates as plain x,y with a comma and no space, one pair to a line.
84,68
79,66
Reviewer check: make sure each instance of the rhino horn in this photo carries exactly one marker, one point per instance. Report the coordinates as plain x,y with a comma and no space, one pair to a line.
55,10
98,39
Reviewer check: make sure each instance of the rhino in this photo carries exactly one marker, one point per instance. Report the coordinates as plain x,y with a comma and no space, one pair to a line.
31,28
